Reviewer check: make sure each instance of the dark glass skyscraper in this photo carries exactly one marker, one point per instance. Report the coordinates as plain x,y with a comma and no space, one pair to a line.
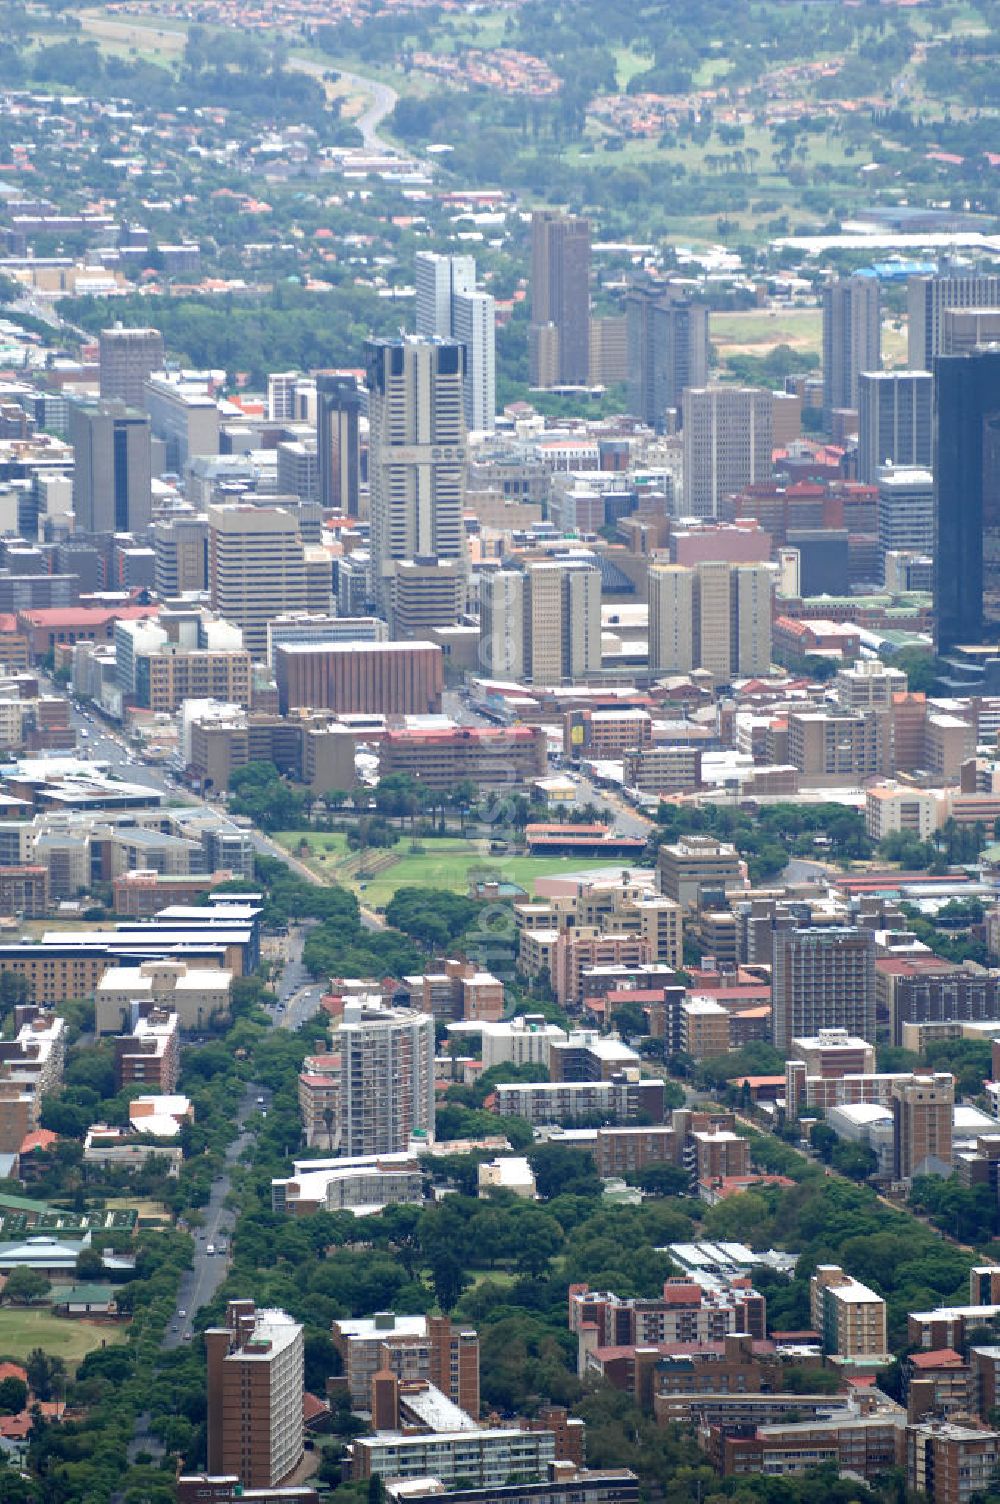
967,499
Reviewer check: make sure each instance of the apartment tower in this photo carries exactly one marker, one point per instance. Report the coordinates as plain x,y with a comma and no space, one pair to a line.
255,1389
714,616
852,338
923,1108
386,1079
667,342
822,978
416,469
560,299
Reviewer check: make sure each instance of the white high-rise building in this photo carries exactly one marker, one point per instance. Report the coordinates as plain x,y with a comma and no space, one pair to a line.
473,324
416,473
728,441
386,1078
543,623
449,307
501,624
256,568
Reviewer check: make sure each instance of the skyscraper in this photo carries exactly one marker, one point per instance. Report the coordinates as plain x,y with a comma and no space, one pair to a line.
339,404
728,441
255,1387
967,498
894,421
501,624
852,338
560,296
416,468
905,511
386,1078
449,307
926,300
822,978
112,468
714,616
256,568
127,357
667,337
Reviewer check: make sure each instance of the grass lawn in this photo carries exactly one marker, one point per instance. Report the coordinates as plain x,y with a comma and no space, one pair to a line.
445,863
21,1330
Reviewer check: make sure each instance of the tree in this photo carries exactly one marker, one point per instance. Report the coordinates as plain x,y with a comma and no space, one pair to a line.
559,1171
448,1278
25,1286
13,1397
46,1374
89,1264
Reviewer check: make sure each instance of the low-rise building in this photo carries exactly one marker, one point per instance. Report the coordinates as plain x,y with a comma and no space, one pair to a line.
199,996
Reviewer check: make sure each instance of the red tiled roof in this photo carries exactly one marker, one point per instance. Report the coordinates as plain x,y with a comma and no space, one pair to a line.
13,1371
38,1138
941,1357
84,616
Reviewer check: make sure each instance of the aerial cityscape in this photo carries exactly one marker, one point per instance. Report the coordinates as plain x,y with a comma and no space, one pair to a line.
499,752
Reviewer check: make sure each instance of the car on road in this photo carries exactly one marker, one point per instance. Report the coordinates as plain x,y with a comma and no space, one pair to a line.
210,1249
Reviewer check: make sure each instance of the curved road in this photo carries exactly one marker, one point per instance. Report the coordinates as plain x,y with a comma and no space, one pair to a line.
383,97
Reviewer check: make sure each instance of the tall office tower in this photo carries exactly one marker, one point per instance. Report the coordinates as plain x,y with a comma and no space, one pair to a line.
126,358
822,979
560,297
256,569
416,470
963,329
728,440
562,621
923,1108
852,338
905,511
894,421
473,324
714,616
667,339
926,300
386,1079
967,498
501,624
112,469
180,556
339,405
448,306
440,279
255,1387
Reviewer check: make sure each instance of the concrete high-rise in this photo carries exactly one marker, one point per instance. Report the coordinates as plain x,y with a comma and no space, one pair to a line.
894,421
112,468
905,510
822,978
255,1389
339,404
127,357
256,568
667,338
449,307
923,1108
926,300
180,555
543,623
560,297
967,499
386,1079
416,467
714,616
728,442
852,338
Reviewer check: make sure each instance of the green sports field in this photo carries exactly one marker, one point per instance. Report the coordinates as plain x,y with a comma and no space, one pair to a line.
449,863
21,1330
